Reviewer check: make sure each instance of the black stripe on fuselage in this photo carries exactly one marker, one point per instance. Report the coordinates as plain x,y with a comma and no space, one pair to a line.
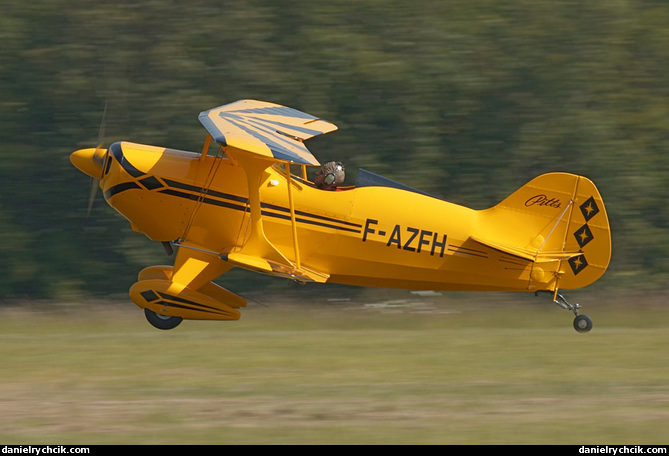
467,251
116,189
116,151
200,190
308,222
317,220
216,198
205,199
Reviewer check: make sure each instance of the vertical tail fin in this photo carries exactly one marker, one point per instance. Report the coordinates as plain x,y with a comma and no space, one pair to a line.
559,221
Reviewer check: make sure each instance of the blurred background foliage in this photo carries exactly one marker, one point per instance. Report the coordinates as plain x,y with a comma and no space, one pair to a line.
465,100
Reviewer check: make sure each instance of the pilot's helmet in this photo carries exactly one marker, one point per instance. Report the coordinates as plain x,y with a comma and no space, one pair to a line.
330,176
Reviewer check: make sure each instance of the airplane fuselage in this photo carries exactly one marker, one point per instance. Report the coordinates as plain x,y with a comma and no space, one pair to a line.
250,204
370,236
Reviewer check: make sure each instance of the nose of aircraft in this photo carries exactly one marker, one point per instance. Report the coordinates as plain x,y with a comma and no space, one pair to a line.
89,161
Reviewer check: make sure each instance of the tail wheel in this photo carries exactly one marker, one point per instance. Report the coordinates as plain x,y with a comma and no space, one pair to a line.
582,323
162,321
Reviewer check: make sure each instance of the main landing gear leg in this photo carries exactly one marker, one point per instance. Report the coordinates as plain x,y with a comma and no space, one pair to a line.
582,323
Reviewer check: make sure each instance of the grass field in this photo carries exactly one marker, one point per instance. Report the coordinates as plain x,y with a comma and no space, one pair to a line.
393,369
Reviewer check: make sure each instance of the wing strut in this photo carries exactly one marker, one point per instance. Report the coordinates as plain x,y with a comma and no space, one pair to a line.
205,189
205,148
293,223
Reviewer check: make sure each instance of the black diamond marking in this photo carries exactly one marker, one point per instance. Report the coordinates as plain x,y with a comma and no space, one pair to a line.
578,264
583,235
589,209
151,183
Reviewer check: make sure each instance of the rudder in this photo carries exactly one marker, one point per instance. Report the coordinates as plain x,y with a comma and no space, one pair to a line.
590,234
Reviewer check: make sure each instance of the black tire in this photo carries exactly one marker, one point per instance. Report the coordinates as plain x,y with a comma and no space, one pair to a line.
582,323
162,321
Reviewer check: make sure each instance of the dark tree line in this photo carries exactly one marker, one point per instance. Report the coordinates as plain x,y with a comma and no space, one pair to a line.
466,100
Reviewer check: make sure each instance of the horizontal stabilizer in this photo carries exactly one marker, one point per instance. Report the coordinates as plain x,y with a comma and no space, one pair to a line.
526,254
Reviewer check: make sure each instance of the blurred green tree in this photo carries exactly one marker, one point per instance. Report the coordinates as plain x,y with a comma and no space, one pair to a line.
465,100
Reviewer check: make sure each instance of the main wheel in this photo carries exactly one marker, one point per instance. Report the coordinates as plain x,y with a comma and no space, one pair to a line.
582,323
162,321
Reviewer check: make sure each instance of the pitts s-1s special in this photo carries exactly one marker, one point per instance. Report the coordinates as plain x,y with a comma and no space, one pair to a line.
246,201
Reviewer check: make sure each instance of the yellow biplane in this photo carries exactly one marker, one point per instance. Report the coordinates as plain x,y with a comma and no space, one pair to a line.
246,201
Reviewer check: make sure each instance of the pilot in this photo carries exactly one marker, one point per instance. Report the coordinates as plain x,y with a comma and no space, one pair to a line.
330,176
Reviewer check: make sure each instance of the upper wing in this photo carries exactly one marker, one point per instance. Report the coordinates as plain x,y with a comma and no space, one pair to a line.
265,129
